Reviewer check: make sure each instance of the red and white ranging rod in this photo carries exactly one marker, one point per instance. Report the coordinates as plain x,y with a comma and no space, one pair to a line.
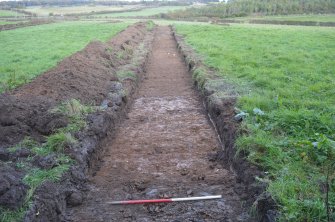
166,200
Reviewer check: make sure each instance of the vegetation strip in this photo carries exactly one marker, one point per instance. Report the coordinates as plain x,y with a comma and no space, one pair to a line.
142,12
241,8
15,25
9,13
287,109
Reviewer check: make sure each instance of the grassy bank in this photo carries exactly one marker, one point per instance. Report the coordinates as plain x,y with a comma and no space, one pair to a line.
56,10
286,77
27,52
6,22
8,13
238,8
299,18
143,12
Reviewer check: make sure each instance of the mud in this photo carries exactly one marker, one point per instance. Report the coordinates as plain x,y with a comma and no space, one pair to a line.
166,148
86,76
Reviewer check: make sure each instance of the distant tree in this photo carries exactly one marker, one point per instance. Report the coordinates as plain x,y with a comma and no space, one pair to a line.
234,8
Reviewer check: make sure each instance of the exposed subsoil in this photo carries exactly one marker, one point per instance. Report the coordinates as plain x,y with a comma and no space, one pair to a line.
165,148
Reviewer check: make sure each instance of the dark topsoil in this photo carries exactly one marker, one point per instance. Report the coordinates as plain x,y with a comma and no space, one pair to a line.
88,76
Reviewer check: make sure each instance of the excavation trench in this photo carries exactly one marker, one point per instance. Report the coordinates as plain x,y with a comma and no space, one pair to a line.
165,148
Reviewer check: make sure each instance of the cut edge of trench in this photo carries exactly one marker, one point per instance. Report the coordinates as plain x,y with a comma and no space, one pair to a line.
219,99
220,111
51,199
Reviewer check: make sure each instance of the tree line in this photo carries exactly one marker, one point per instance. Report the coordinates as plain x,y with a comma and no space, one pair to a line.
27,3
238,8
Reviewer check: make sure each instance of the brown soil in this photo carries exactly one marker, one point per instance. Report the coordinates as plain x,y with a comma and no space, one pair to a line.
166,148
29,117
86,76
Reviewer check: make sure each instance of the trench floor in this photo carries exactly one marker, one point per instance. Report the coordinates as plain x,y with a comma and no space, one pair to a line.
163,149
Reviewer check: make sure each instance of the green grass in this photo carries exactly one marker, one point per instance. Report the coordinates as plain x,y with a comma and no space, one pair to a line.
45,11
12,22
12,216
288,73
143,12
33,179
150,25
8,13
27,52
6,23
73,108
122,75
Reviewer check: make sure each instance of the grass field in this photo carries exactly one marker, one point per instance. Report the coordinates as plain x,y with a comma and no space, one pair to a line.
302,18
27,52
316,18
8,13
6,22
286,79
44,11
144,12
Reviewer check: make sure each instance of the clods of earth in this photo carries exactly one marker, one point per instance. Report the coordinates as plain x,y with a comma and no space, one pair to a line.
149,138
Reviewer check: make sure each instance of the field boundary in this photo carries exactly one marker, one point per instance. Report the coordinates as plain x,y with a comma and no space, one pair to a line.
288,22
251,21
104,12
219,99
25,24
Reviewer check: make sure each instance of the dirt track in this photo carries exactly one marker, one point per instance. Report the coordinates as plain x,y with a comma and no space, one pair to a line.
166,148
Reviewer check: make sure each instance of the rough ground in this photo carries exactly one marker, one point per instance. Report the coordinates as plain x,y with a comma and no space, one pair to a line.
90,76
166,148
86,76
